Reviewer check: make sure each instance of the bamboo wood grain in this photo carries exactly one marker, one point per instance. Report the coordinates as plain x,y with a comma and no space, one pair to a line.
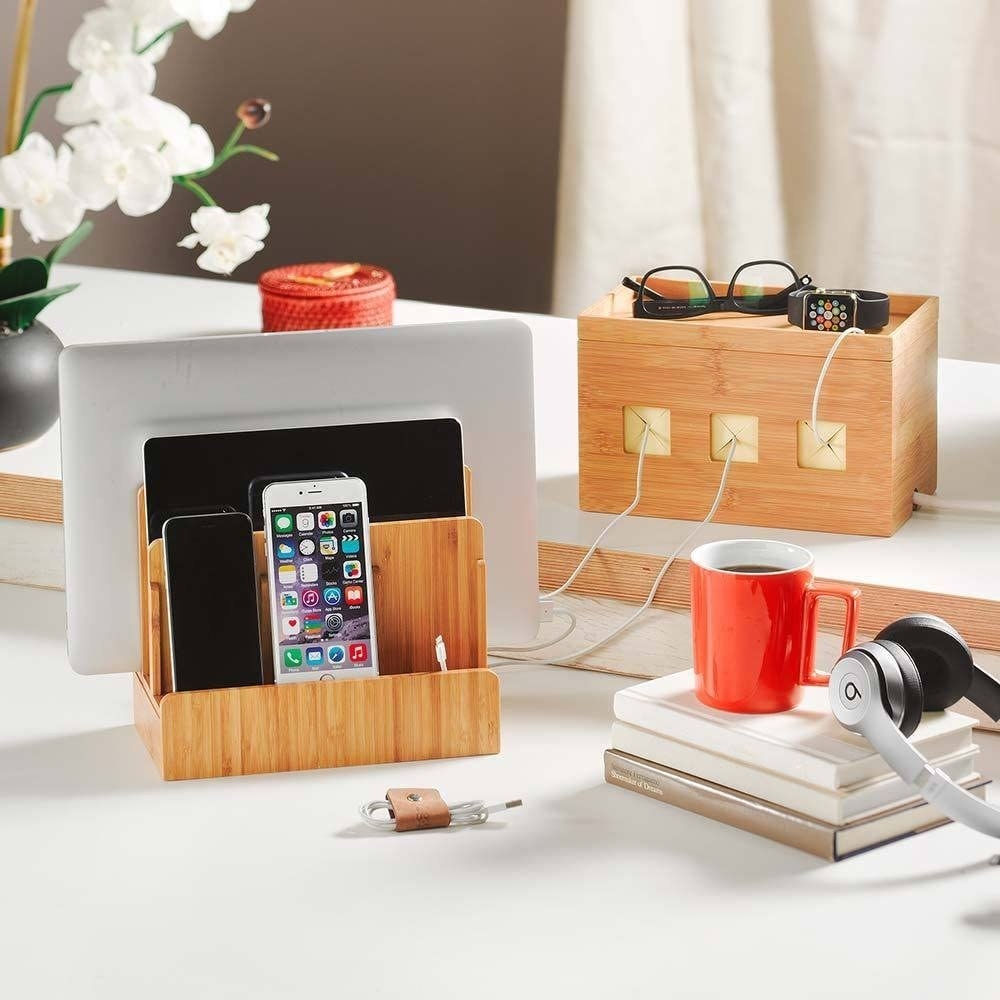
981,617
882,386
31,498
429,577
157,624
146,612
610,320
627,576
146,716
293,727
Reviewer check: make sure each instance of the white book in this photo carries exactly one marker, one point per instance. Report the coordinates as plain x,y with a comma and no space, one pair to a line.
806,743
836,807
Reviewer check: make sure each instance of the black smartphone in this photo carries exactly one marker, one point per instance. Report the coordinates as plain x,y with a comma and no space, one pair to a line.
412,468
157,518
212,601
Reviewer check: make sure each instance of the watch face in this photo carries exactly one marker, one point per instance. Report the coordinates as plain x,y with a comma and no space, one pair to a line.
833,311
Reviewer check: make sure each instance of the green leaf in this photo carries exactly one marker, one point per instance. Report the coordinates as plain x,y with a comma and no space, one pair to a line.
20,311
62,250
23,276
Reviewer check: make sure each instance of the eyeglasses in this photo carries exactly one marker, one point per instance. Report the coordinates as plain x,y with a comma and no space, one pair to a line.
760,288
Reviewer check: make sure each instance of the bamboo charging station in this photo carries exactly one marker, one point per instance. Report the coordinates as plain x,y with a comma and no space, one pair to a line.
705,380
429,578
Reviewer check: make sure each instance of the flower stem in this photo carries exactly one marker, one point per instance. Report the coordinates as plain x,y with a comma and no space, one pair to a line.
29,118
15,103
228,152
159,38
195,188
234,137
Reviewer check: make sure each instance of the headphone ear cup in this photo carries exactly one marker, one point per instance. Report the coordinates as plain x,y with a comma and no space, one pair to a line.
913,688
939,653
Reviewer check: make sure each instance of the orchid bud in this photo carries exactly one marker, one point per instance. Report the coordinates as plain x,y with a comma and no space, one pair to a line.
254,112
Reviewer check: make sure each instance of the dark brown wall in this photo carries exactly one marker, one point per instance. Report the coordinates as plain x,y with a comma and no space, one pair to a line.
422,136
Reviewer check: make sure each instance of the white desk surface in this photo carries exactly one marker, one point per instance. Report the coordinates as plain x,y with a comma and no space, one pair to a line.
946,553
117,885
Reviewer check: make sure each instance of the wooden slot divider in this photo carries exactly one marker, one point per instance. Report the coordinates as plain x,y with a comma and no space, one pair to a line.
429,578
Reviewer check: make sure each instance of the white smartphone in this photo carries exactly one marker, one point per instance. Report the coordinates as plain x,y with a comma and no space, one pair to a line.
320,575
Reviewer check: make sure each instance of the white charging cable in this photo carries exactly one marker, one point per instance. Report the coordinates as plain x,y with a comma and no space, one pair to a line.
651,596
547,597
822,376
625,513
565,634
470,813
930,502
926,501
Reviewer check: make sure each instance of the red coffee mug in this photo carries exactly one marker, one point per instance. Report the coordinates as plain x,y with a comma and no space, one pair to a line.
754,614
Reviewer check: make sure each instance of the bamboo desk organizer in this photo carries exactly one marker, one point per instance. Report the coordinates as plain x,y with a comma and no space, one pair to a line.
429,578
708,379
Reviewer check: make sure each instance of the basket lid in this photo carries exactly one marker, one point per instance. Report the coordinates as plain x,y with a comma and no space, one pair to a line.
325,280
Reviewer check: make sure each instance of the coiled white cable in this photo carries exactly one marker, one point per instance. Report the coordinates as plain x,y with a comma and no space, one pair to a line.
570,628
469,813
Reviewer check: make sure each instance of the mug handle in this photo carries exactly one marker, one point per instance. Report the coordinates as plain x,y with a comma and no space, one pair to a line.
851,596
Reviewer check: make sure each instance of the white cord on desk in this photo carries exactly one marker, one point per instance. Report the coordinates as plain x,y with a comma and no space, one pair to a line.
600,538
562,612
570,628
924,500
656,583
960,506
650,597
470,813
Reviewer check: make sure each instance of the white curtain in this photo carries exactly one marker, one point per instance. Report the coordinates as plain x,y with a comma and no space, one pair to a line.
857,139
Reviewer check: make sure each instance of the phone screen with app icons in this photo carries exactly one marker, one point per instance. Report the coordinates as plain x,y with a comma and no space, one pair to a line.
321,591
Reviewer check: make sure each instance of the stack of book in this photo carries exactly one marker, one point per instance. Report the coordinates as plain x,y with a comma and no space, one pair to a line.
797,777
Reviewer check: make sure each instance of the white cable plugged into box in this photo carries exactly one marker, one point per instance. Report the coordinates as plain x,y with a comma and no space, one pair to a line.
822,376
925,501
650,597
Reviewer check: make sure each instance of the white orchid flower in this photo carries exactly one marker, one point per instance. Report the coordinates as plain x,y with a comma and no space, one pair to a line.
230,238
103,170
147,121
150,18
208,17
189,151
101,50
33,180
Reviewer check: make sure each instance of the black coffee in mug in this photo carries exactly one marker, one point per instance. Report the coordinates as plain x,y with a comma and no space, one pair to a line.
754,568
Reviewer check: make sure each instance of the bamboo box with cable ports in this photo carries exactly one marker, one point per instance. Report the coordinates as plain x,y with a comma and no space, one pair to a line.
702,381
429,579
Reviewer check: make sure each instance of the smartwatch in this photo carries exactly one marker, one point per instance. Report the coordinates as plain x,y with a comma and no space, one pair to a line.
837,309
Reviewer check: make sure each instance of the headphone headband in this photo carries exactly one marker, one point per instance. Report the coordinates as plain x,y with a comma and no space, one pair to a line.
862,696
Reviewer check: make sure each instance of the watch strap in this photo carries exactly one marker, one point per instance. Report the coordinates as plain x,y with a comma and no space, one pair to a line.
872,311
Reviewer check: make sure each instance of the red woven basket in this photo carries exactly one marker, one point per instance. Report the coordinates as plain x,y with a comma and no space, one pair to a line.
325,297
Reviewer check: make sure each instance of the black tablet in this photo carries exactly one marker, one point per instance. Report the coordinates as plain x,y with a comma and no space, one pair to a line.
411,468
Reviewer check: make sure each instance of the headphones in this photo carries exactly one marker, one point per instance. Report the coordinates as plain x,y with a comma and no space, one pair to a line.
880,689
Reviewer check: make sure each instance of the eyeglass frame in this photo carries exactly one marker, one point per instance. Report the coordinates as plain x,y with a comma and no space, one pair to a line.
669,309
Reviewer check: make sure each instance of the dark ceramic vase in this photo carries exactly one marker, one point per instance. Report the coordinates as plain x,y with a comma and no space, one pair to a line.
29,384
